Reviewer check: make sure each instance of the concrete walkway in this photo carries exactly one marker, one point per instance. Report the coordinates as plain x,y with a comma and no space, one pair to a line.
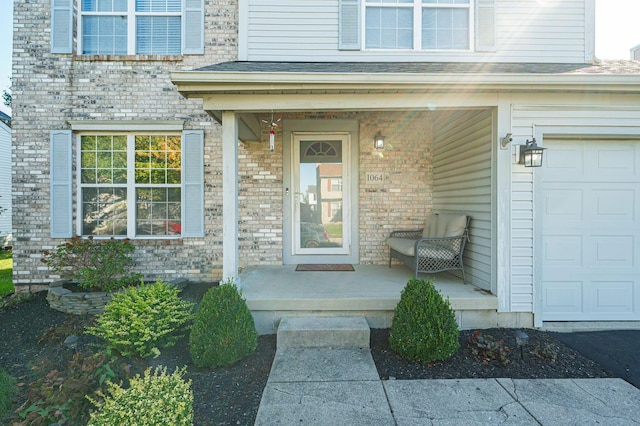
323,374
322,386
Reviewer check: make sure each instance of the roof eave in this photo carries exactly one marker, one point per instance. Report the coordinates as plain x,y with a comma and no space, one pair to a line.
194,83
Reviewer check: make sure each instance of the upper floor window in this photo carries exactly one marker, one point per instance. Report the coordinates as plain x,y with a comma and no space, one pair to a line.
128,27
418,24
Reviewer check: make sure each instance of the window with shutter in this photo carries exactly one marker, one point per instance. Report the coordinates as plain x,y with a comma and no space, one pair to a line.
142,185
141,27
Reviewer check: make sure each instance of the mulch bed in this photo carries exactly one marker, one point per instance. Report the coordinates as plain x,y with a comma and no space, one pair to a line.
231,396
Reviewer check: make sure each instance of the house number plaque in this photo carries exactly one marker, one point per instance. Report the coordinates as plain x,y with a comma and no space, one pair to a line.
375,177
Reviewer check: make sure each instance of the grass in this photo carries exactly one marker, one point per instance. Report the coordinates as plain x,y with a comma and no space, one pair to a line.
334,229
6,270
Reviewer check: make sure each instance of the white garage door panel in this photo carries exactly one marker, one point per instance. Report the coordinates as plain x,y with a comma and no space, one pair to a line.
612,297
611,251
562,298
563,251
591,300
563,203
610,204
589,221
609,162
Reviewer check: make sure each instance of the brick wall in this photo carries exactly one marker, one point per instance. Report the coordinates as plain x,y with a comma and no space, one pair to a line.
49,90
400,202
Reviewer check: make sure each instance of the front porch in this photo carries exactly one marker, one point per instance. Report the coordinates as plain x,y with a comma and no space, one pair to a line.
372,291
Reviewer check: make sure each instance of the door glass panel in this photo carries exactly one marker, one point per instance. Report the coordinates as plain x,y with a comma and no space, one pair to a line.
320,195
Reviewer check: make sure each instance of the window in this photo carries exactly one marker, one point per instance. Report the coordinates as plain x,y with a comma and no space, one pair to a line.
336,184
418,24
128,27
147,184
130,185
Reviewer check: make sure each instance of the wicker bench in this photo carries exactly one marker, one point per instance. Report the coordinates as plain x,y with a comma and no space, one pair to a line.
435,248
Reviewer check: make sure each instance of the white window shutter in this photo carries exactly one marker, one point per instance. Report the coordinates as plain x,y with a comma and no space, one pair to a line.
485,25
61,184
193,183
192,27
61,26
349,36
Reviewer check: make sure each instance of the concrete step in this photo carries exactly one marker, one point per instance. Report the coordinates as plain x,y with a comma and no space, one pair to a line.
323,332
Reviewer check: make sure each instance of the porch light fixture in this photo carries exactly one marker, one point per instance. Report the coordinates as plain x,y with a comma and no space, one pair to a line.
531,154
378,141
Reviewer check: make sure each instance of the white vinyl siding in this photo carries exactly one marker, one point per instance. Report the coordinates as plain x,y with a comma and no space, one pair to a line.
526,31
563,120
532,31
462,176
5,181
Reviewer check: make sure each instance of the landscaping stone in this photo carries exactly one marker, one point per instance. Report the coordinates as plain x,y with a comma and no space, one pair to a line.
78,303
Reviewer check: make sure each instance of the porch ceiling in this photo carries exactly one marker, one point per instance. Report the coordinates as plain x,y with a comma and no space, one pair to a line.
253,87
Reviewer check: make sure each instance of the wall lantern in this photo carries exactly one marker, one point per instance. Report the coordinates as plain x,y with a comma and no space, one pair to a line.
531,154
378,141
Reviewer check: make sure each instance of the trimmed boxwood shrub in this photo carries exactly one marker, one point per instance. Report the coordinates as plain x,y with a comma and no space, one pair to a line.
142,320
223,330
424,326
155,399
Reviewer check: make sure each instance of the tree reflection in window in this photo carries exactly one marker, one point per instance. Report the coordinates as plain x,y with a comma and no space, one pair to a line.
158,160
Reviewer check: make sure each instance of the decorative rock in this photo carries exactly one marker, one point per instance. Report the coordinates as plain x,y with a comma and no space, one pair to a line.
79,303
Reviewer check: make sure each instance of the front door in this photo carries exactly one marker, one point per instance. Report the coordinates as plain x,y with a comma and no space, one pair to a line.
321,194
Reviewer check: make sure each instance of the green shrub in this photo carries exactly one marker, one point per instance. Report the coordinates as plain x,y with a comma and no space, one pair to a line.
94,264
58,395
154,399
487,348
424,326
7,390
223,330
143,319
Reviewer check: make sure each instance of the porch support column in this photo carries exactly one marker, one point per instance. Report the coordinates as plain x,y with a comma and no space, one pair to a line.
230,196
501,263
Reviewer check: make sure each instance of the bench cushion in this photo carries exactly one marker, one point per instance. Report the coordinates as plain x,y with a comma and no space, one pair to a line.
408,248
444,225
403,245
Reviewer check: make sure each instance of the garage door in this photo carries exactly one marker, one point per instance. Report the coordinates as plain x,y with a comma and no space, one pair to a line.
589,221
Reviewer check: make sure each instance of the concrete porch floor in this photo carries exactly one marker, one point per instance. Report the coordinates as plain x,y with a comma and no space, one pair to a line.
373,291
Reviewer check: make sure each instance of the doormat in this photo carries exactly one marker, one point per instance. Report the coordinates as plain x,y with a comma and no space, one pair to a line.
324,267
